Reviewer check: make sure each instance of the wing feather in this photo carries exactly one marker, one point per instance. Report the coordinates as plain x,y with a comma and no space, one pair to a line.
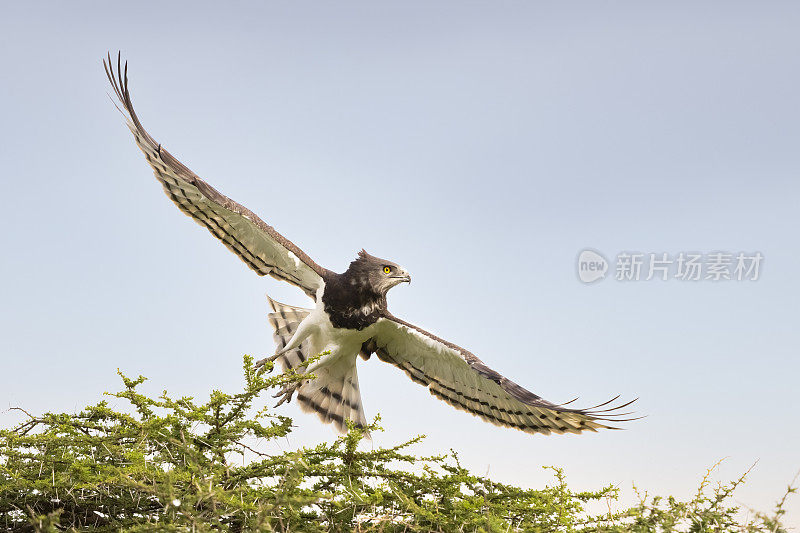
458,377
263,249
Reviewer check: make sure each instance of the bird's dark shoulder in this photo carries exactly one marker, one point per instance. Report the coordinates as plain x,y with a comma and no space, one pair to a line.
350,301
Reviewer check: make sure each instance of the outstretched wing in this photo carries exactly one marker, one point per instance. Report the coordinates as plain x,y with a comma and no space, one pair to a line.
456,376
257,244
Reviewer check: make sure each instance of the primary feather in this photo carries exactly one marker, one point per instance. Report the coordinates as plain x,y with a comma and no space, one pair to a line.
262,248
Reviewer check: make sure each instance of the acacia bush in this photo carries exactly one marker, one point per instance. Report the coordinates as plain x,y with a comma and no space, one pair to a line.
176,464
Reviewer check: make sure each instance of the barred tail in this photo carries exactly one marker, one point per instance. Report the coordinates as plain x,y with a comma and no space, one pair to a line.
334,396
284,320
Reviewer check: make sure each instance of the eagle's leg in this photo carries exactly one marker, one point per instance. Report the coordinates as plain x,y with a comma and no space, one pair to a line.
304,330
320,367
324,362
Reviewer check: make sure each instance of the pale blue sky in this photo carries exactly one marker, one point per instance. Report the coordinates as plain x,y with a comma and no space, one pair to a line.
480,145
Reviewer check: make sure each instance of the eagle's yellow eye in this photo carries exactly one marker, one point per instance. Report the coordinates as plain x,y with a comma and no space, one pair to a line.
386,270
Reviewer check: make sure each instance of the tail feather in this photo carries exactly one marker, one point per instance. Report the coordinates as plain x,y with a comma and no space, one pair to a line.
334,395
284,320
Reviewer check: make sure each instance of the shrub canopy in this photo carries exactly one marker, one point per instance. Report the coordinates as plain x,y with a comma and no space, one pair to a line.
176,464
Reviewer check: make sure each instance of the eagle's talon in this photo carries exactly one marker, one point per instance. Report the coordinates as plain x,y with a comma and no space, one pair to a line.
285,394
270,359
262,362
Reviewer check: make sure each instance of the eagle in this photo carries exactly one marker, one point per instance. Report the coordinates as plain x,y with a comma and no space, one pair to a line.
350,316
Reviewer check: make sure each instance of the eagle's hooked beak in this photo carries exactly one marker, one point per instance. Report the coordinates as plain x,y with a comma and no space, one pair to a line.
403,276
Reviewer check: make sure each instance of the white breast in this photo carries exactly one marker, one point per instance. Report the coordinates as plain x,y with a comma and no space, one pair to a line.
340,341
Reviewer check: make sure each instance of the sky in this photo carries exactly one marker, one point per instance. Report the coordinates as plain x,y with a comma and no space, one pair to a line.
482,146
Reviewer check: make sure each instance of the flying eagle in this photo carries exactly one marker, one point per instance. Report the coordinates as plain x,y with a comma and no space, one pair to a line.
350,316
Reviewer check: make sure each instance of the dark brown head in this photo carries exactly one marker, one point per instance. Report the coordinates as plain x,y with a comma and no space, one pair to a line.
375,274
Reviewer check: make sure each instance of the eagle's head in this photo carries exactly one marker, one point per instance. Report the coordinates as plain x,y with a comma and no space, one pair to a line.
376,274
